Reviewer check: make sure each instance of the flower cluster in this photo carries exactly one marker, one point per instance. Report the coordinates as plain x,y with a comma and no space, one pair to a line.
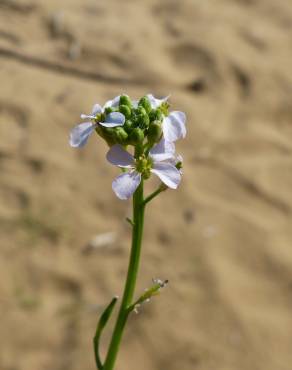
149,127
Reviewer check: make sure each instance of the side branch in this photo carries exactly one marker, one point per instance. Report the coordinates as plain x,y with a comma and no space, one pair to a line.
161,188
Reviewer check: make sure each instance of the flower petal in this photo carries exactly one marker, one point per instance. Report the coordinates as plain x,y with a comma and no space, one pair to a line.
162,151
175,160
135,103
80,134
113,103
113,119
87,116
167,173
118,156
96,109
155,103
125,184
174,126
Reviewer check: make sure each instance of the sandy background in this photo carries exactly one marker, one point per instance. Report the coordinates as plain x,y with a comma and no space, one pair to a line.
223,239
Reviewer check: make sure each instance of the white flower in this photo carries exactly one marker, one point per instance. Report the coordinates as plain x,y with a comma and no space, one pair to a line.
173,125
158,162
80,133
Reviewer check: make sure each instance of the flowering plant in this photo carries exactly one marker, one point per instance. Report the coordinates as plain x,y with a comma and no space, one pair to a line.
140,135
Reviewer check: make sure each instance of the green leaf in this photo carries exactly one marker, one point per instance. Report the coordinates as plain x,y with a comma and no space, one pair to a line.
130,221
100,326
148,293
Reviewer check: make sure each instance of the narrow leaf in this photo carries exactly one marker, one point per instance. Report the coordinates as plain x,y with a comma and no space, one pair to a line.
100,326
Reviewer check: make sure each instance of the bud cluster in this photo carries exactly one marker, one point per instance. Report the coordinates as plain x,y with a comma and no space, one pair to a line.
149,127
143,124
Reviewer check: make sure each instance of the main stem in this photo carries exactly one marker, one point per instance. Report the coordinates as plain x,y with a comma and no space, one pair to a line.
138,222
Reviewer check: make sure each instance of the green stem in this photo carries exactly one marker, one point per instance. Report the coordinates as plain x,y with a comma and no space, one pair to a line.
138,222
154,194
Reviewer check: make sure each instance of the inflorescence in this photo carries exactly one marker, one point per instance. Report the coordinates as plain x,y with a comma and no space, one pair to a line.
149,127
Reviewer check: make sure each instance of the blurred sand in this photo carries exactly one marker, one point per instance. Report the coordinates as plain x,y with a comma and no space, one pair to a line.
223,239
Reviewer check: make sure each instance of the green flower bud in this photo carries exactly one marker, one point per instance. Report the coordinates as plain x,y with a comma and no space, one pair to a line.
136,136
145,103
143,121
179,165
155,114
164,108
120,135
125,110
108,110
128,125
125,100
107,133
154,132
140,110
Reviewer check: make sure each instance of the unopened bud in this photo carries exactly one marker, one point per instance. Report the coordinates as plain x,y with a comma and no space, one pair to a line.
145,103
128,126
125,100
107,133
120,135
136,136
155,114
109,110
140,110
179,165
143,121
154,132
125,110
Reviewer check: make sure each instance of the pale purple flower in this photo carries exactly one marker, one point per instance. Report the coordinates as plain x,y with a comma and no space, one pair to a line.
177,159
113,103
80,133
155,103
173,125
158,162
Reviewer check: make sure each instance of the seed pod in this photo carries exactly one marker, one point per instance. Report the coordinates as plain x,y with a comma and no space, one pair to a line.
125,100
125,110
136,136
145,103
